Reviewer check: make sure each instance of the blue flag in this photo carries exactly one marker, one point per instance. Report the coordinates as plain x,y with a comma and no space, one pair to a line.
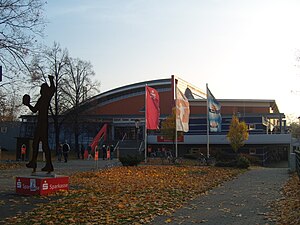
214,113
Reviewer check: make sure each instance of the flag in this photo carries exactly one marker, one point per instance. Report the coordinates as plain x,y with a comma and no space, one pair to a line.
100,134
182,111
152,108
214,113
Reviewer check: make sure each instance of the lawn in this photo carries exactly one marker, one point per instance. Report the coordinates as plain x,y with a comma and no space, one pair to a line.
126,195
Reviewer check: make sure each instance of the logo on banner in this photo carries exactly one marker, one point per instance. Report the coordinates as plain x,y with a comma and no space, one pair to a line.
45,186
32,185
19,184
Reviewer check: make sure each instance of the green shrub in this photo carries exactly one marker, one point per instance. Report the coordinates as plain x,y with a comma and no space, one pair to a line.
242,163
130,160
232,163
252,159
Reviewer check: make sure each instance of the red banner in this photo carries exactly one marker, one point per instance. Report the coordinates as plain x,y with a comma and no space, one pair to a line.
34,185
164,139
152,108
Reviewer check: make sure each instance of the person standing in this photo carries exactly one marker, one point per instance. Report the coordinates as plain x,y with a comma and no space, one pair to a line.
23,152
89,153
111,152
82,151
66,150
103,152
59,152
108,152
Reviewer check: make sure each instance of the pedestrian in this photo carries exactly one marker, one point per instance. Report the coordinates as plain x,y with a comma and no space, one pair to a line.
108,152
59,152
103,152
89,152
66,150
149,150
82,151
23,152
111,152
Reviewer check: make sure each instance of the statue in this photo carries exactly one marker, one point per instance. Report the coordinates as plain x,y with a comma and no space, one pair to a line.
41,131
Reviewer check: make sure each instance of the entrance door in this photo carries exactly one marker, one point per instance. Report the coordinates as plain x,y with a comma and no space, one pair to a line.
129,132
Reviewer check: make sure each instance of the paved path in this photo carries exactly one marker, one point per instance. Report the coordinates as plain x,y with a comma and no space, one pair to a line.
242,201
12,203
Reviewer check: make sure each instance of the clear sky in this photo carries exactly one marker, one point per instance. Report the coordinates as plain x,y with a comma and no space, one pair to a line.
243,49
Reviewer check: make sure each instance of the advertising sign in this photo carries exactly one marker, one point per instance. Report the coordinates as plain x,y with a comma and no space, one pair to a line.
34,185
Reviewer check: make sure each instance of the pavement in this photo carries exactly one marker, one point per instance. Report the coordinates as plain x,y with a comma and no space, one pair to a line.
244,200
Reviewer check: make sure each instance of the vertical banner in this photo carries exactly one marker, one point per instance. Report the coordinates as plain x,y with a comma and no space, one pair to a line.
152,109
214,113
182,112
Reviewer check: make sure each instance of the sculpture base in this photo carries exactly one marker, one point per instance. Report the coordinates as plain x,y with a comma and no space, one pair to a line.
41,184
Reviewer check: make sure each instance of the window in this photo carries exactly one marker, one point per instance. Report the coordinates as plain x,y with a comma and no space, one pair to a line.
252,151
251,126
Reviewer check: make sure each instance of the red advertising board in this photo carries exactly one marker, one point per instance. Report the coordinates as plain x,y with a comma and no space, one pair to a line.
39,185
164,139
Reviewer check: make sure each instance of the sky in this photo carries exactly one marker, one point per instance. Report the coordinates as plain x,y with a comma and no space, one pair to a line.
243,49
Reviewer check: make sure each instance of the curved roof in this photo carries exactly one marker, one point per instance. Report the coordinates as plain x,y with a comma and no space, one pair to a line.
124,92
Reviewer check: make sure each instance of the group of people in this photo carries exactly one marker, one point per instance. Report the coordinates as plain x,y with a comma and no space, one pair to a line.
63,150
88,153
159,152
107,152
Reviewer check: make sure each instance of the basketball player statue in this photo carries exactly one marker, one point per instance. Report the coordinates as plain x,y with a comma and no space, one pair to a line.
41,131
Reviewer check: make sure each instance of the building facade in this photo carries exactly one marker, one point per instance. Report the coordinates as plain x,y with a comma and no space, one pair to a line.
123,110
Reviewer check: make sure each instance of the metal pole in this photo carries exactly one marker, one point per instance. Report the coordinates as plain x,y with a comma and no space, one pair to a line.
176,144
146,123
207,121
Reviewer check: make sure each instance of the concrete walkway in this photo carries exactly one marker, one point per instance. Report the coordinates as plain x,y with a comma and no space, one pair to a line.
242,201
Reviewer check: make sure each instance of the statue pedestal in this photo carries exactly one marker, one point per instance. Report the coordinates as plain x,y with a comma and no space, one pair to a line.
41,184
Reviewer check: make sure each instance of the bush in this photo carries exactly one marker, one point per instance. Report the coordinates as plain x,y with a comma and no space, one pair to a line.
242,163
252,159
232,163
130,160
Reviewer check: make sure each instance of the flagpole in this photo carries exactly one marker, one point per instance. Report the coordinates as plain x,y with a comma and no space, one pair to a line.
175,95
146,123
207,121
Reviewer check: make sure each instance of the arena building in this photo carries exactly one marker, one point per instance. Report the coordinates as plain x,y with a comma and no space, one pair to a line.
123,111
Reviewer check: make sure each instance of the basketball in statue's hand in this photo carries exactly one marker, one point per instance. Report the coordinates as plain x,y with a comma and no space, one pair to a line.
26,99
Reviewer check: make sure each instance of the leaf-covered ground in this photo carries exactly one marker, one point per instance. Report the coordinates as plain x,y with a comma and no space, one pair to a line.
8,165
126,195
286,210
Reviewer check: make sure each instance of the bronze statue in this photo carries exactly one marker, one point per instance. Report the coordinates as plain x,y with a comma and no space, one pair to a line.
41,131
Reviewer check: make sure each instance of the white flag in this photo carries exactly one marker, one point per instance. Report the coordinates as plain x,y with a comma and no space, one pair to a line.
182,112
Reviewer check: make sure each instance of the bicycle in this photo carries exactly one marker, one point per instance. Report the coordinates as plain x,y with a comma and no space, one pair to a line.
206,161
173,160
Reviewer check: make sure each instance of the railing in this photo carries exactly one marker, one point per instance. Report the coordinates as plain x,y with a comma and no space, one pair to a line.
117,145
141,148
297,152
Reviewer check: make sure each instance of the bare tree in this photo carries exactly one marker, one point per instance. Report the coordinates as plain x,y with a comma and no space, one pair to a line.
78,85
73,84
21,22
9,106
51,62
